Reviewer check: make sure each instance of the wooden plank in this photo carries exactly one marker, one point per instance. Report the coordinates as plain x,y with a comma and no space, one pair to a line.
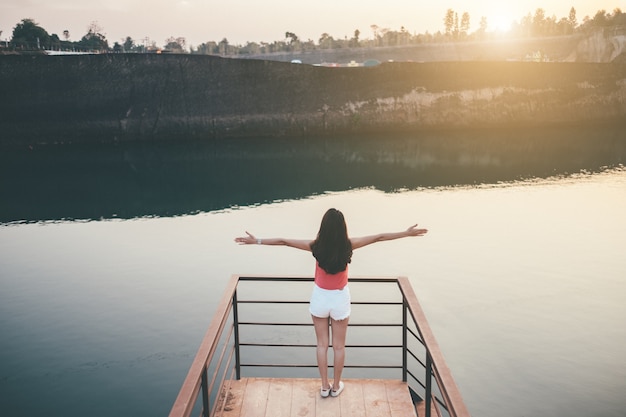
326,407
304,393
300,397
233,397
351,399
421,409
375,398
397,395
255,397
279,398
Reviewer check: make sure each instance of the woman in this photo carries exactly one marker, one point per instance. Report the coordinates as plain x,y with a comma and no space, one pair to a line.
332,250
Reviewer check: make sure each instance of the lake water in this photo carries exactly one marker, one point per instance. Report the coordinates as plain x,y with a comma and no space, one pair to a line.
112,262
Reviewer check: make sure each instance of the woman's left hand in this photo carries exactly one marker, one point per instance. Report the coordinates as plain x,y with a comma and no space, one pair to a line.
414,231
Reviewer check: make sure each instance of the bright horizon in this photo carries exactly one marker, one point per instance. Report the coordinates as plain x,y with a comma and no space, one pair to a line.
239,21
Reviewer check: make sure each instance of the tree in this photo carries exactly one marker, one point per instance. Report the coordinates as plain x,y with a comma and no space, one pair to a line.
291,36
250,48
482,28
54,42
175,44
526,26
448,21
129,44
94,40
601,18
326,41
354,42
483,24
539,22
374,30
29,34
572,18
618,18
465,24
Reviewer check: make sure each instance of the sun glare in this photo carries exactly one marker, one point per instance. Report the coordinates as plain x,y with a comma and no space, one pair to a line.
499,23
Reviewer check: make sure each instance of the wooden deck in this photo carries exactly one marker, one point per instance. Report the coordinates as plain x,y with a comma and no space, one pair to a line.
286,397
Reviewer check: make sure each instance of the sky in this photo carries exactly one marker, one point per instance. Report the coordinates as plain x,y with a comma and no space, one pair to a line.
240,21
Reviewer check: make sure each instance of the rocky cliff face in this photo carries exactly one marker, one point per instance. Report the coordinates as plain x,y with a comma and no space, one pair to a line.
126,97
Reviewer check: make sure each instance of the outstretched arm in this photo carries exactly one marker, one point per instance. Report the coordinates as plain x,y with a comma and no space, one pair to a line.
359,242
292,243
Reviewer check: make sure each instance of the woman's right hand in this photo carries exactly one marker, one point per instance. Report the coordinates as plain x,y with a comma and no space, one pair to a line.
246,240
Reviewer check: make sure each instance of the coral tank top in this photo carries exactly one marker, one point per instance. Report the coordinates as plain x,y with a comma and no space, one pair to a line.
330,281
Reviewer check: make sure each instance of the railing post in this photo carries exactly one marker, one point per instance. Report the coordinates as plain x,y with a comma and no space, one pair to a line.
236,330
205,393
404,339
429,373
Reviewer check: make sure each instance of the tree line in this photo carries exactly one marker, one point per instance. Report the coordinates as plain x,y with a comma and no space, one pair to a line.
28,35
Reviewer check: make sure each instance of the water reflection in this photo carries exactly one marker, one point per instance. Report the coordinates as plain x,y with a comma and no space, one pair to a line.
128,180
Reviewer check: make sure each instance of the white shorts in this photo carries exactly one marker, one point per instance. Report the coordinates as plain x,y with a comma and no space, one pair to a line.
330,303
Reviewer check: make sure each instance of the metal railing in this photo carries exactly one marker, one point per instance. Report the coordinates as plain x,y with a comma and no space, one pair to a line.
221,358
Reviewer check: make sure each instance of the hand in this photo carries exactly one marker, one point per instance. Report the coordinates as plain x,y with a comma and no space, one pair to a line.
246,240
414,231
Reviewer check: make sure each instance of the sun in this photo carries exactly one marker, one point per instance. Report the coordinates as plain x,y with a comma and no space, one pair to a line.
499,23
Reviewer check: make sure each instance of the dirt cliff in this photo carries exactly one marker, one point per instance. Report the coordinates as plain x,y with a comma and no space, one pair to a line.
127,97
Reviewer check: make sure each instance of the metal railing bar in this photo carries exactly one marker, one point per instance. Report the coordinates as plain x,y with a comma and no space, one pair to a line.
235,310
443,376
312,345
230,357
263,365
205,393
416,379
448,404
441,403
266,365
275,278
189,391
311,279
416,358
429,382
368,303
415,336
405,344
439,387
225,389
272,302
254,323
276,345
377,303
222,353
226,368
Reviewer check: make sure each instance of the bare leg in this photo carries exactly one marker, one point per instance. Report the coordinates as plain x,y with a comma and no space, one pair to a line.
340,328
321,334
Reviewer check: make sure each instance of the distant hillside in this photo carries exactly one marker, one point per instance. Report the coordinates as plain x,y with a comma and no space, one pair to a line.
598,46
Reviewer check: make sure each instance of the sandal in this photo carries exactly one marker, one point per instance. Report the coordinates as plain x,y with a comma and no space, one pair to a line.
336,393
325,392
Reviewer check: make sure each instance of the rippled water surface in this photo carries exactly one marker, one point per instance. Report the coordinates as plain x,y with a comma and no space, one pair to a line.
523,282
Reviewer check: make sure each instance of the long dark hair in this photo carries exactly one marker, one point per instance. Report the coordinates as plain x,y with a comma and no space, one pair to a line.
332,247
